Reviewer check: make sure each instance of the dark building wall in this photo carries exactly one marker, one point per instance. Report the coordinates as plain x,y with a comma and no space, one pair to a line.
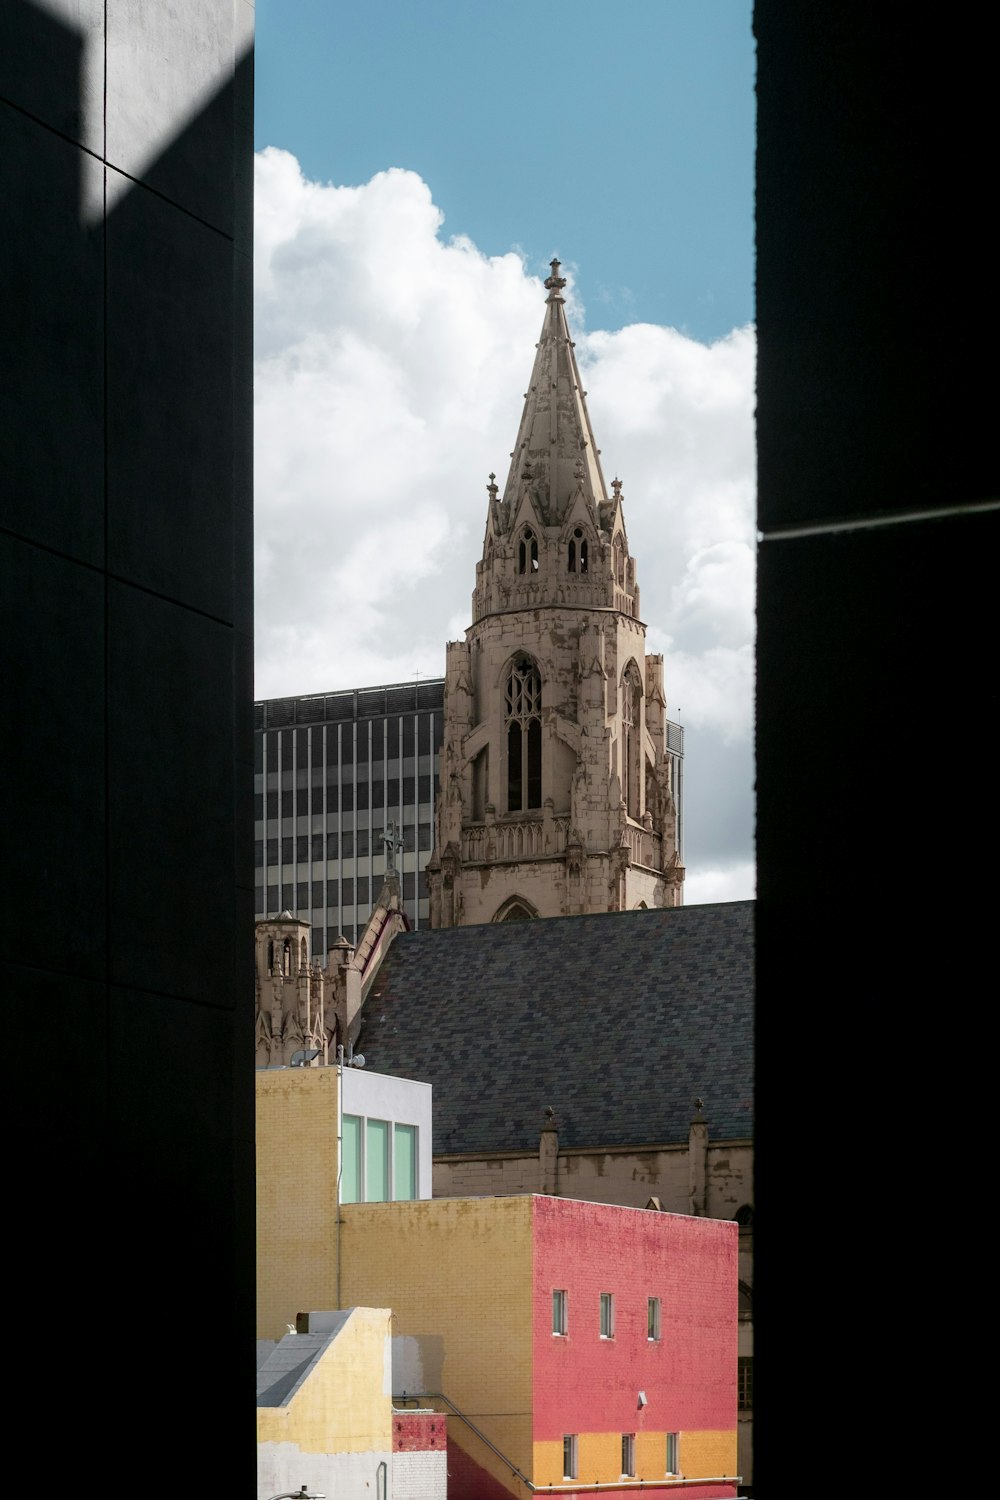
877,467
126,598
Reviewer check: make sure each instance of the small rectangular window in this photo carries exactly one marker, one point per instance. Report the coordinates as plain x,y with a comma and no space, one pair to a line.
569,1456
653,1318
628,1455
607,1315
559,1315
673,1453
350,1166
744,1401
404,1181
377,1161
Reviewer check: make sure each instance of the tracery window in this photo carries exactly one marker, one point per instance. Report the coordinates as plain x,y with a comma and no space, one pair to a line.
527,552
523,728
631,742
578,551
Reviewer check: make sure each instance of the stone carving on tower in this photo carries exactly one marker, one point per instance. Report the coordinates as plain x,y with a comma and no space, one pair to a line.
295,1014
556,790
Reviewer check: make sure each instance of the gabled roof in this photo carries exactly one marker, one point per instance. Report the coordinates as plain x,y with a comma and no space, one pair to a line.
555,439
618,1021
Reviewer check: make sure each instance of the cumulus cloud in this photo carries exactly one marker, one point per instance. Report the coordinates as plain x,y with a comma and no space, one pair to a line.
390,366
710,883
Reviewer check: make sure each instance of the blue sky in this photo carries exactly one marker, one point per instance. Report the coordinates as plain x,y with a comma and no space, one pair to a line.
618,137
418,164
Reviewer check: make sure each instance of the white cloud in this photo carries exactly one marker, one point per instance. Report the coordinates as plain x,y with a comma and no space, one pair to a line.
736,882
390,369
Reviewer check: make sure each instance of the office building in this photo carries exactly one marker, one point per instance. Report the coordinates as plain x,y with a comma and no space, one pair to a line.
332,772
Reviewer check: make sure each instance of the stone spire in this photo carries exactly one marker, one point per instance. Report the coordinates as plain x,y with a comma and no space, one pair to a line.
557,790
555,452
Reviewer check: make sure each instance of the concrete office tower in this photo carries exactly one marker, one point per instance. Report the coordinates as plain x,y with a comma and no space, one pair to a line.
558,791
332,772
126,598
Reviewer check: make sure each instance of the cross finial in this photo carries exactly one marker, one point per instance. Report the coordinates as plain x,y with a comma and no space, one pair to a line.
492,487
393,843
554,283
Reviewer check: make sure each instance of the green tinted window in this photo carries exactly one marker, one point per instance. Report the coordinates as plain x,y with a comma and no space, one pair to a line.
377,1161
405,1179
350,1175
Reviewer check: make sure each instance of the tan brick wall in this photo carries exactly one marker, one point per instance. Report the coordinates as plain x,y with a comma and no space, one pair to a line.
296,1194
458,1269
627,1177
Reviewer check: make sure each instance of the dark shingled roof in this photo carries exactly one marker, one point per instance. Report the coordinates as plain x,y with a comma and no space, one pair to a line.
618,1021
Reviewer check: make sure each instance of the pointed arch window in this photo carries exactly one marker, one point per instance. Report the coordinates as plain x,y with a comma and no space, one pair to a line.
619,561
523,730
632,742
578,552
516,910
527,552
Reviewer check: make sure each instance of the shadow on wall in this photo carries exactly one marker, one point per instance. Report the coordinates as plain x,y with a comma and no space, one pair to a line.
126,598
417,1364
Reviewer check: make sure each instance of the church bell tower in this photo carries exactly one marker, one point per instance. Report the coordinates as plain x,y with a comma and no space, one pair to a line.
556,794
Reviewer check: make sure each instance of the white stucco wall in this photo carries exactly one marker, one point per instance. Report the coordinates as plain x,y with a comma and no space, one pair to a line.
282,1467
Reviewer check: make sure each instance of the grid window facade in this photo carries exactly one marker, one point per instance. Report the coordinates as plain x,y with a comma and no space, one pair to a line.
653,1318
607,1315
570,1461
559,1320
332,772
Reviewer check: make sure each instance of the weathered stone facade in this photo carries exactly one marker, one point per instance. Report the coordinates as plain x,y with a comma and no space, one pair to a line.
301,1006
556,793
293,1004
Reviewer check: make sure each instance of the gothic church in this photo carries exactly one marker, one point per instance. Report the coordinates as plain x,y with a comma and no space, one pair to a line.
557,792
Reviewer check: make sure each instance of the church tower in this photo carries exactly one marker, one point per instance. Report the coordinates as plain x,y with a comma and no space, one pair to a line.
556,793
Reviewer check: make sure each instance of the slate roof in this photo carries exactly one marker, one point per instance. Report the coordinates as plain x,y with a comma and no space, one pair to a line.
619,1021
